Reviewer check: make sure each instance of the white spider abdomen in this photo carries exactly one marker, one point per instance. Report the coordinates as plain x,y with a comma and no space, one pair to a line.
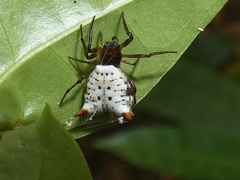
109,90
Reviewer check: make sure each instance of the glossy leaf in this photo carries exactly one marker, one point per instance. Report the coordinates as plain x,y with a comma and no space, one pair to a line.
38,36
42,150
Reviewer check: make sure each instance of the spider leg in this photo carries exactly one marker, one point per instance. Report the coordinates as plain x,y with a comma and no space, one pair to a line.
100,38
130,35
83,76
147,55
87,48
130,63
82,61
130,38
90,36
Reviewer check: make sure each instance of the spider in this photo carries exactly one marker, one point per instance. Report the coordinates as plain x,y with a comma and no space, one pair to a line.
108,89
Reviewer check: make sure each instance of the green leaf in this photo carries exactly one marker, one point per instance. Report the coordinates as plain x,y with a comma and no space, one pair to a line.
199,96
43,150
36,38
192,153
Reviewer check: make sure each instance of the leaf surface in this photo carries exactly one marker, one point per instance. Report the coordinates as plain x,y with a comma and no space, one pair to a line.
37,37
43,150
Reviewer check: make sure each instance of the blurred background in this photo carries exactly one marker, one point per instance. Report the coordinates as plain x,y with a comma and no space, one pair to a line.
188,126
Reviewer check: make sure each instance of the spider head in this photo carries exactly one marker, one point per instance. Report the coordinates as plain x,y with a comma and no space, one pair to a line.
112,45
111,53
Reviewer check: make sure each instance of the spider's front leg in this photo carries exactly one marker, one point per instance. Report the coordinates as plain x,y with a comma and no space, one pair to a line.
130,35
87,48
129,39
